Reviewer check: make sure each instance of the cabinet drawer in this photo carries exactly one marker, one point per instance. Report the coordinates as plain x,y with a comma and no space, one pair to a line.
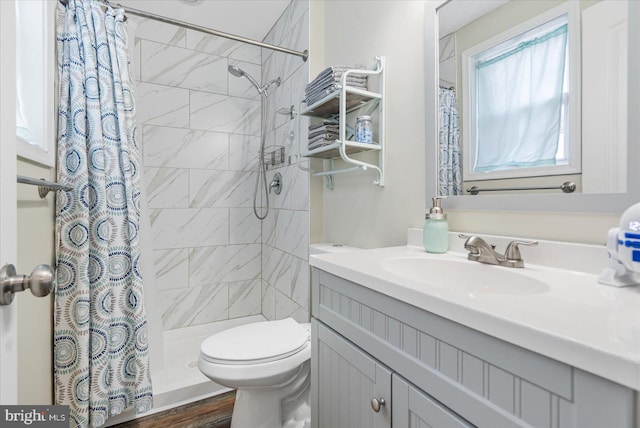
345,381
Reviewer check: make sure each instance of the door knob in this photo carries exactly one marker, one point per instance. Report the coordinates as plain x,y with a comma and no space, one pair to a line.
377,404
40,282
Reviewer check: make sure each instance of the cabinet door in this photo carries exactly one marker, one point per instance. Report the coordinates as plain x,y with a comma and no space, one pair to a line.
345,381
412,408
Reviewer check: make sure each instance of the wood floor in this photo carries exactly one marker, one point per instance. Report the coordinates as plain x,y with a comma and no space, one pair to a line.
214,412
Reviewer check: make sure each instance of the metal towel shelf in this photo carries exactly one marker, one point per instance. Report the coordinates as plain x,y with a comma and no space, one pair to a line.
44,186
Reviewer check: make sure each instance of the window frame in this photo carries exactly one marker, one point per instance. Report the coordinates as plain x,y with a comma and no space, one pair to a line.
469,119
43,152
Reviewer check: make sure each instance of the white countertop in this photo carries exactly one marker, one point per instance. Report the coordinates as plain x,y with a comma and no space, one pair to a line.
587,325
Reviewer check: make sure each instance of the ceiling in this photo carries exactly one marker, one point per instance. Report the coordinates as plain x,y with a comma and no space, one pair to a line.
455,15
247,18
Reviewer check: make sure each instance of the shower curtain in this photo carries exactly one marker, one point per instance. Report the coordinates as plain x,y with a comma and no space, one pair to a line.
100,332
449,172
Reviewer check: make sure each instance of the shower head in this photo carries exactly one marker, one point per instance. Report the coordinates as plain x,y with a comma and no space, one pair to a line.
238,72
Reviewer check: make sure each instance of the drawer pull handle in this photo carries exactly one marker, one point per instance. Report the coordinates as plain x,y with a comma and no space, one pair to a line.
377,404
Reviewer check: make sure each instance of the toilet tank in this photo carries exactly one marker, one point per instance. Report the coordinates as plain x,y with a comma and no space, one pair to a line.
329,247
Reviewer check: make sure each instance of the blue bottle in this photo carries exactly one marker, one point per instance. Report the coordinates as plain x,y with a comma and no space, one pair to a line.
435,234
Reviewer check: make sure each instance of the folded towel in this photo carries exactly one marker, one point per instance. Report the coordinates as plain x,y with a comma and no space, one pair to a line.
337,71
320,143
325,136
324,124
323,133
328,81
313,132
325,130
320,94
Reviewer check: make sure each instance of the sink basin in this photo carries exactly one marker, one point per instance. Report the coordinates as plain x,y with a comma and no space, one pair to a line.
464,275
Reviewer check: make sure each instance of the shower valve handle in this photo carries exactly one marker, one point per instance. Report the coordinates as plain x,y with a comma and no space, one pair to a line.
276,183
40,282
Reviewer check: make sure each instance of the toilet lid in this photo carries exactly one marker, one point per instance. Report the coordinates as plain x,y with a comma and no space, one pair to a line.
256,342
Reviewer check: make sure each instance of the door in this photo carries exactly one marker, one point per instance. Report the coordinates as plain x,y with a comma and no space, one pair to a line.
345,382
8,315
412,408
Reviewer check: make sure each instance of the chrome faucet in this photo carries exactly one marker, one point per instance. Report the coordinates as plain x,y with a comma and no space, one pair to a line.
481,251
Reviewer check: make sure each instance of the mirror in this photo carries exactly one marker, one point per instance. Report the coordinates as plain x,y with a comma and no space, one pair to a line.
510,94
606,177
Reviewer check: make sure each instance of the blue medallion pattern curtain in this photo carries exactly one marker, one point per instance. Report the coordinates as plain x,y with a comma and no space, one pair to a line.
449,169
100,333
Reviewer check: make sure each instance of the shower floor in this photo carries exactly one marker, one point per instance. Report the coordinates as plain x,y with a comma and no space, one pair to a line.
179,381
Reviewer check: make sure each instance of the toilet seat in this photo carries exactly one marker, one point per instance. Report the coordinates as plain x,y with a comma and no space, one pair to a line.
256,343
238,358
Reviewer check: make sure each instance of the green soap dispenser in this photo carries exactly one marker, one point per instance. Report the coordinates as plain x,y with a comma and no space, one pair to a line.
435,234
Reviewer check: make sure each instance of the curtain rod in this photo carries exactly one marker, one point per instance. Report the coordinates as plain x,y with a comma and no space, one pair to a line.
304,54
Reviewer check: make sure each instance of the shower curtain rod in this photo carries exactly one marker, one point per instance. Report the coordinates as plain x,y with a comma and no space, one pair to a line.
141,13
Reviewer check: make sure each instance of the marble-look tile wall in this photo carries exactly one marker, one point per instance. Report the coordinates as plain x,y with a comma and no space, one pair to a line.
200,129
285,232
447,68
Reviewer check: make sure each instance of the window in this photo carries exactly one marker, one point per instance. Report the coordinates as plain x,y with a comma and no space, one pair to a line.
523,100
35,71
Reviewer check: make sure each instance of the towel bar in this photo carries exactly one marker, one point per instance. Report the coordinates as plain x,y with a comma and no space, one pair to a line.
44,186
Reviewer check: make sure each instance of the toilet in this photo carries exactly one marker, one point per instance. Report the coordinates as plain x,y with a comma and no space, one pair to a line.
268,363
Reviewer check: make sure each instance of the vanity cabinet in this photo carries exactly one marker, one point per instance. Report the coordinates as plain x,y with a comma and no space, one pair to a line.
431,371
354,379
351,379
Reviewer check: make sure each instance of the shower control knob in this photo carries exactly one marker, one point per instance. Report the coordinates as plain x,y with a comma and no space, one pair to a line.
40,282
276,184
377,404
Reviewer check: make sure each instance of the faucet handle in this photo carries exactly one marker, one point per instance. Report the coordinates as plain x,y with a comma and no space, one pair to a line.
513,251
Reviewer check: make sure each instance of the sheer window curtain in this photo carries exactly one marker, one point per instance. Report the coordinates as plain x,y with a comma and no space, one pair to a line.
519,102
100,330
449,168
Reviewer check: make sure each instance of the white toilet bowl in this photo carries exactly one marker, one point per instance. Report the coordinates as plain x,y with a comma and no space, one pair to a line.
268,363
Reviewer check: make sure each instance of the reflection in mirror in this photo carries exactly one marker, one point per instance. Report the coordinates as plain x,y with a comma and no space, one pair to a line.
532,94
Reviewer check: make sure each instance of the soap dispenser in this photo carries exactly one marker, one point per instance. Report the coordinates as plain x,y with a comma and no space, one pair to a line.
435,234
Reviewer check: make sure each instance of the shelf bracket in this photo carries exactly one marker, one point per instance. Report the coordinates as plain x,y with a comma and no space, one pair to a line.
331,172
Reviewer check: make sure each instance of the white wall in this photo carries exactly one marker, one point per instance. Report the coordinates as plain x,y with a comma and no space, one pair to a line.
35,316
357,212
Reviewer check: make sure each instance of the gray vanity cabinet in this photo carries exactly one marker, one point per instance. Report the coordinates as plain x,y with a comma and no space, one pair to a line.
351,379
434,372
